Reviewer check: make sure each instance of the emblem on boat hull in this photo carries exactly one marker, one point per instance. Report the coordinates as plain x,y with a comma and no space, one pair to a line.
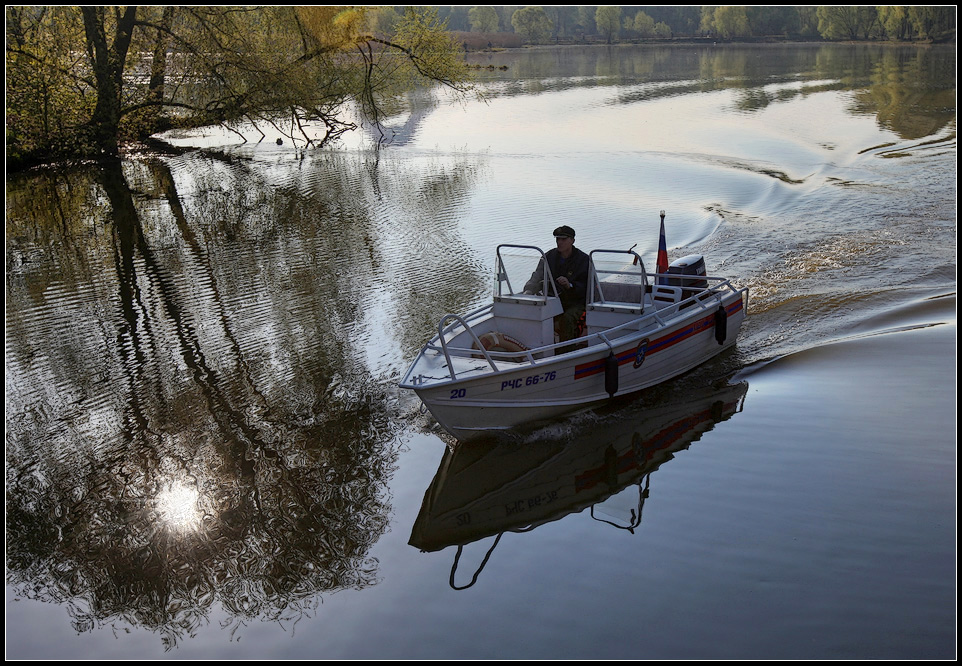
640,353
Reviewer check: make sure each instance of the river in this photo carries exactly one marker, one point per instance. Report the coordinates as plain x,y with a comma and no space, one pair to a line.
208,456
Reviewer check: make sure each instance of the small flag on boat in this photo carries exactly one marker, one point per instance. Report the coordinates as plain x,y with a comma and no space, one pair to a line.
661,265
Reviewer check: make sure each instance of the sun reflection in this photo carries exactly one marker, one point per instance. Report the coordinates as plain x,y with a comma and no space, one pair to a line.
177,505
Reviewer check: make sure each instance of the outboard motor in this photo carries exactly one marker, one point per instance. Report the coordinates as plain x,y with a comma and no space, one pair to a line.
689,269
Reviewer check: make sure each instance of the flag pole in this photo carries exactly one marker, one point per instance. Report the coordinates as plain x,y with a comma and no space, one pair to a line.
661,265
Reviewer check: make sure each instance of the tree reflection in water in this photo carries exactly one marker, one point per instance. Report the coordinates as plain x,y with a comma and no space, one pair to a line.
188,429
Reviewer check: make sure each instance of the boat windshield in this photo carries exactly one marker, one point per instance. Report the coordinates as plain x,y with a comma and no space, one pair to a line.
520,268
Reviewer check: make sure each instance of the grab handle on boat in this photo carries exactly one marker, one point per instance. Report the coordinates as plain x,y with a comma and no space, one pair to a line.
444,345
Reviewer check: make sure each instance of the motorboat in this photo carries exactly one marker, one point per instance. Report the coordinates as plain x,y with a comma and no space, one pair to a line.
502,366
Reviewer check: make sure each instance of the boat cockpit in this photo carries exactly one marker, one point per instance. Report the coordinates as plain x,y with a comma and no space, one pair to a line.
620,291
622,299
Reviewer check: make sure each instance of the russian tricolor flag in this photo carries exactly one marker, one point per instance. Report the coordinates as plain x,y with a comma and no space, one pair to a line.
661,266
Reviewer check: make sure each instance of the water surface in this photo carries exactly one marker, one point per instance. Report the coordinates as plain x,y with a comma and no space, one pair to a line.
208,457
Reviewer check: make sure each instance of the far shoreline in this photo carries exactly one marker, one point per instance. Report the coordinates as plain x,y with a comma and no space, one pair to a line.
697,41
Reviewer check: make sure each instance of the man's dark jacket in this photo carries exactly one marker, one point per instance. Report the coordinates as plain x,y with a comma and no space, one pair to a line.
575,268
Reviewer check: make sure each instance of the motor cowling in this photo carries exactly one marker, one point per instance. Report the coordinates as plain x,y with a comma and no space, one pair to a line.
688,269
690,272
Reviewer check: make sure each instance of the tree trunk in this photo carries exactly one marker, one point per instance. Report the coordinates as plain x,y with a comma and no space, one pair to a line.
154,117
107,60
158,66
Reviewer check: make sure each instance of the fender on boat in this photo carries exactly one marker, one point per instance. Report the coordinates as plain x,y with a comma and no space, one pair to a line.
721,324
611,374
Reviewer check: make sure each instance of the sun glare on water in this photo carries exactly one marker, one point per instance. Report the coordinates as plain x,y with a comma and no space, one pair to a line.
178,507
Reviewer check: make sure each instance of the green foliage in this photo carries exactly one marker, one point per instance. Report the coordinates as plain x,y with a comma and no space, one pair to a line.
608,21
82,79
564,18
382,20
727,22
847,22
933,22
433,56
532,23
765,21
730,22
895,22
586,21
483,19
705,20
644,25
46,104
807,21
456,17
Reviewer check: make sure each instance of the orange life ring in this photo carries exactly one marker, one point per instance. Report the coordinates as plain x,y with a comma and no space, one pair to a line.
499,342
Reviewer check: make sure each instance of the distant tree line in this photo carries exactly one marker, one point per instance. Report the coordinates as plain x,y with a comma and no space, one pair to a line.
552,24
83,80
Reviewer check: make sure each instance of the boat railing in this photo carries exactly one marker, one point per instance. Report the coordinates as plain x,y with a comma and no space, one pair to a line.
452,325
512,269
446,330
618,284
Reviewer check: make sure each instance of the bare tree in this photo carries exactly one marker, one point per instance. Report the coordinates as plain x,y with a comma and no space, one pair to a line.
142,69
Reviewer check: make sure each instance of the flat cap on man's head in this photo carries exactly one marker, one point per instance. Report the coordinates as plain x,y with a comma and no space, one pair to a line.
564,230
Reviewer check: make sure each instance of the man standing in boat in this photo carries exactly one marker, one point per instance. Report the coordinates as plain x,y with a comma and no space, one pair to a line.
569,267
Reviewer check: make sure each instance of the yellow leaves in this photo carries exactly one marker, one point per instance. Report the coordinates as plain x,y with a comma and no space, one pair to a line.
333,27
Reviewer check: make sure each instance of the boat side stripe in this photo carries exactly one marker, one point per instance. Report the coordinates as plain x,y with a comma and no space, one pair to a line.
654,346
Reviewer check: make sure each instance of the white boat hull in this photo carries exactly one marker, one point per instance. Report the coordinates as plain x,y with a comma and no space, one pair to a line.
545,388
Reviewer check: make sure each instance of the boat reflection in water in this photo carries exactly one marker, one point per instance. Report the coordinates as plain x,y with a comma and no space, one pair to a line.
485,489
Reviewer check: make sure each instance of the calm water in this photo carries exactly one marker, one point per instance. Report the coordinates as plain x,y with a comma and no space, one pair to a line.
207,455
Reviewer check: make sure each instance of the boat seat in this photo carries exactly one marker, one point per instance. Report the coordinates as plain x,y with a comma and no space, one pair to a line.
664,295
